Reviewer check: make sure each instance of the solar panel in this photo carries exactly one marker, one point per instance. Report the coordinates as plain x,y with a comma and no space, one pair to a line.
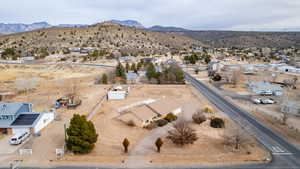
25,119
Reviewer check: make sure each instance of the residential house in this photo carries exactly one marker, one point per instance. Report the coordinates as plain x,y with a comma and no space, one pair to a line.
170,61
262,87
215,67
75,50
132,78
127,59
117,93
143,115
289,69
19,117
28,59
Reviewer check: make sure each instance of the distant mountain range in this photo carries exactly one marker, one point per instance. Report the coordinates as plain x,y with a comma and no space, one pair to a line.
130,23
159,28
20,27
218,38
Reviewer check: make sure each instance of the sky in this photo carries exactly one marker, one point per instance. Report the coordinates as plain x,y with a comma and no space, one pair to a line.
191,14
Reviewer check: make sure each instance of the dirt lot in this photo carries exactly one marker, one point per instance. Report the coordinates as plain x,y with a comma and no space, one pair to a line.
108,150
207,150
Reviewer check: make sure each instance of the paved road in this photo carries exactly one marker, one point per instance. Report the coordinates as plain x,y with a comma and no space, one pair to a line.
285,155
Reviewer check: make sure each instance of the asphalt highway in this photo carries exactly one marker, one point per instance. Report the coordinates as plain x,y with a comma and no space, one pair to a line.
285,154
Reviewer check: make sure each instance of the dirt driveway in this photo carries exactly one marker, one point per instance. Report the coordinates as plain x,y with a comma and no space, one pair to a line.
6,148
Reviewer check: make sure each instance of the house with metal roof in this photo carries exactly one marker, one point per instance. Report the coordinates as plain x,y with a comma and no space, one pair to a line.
263,87
132,77
126,59
19,117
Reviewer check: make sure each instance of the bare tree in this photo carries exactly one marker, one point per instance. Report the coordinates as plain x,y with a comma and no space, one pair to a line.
273,76
235,136
291,82
182,133
286,105
237,77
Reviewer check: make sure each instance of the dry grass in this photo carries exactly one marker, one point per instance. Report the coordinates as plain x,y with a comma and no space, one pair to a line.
235,88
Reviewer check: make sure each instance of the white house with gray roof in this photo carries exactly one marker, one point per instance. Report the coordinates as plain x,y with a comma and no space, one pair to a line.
265,87
19,117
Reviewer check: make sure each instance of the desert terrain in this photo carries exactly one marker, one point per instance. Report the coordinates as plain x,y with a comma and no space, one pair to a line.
108,150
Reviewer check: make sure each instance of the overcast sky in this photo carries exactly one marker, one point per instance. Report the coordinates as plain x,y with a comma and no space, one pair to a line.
192,14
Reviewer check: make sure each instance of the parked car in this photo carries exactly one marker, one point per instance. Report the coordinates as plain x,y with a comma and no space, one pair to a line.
266,93
256,101
19,138
268,101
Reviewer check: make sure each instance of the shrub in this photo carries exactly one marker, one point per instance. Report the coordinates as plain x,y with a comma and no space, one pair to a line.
182,134
217,123
170,117
82,135
158,144
199,118
161,122
208,109
126,144
131,123
104,79
217,77
151,126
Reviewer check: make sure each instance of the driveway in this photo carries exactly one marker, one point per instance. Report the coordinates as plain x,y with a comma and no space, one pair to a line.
6,148
145,146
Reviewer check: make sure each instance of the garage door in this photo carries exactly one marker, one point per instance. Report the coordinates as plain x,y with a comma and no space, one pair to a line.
20,130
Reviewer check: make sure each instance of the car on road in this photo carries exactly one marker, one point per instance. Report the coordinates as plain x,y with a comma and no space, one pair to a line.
266,93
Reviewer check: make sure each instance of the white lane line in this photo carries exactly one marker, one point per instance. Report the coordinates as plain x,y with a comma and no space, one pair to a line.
282,153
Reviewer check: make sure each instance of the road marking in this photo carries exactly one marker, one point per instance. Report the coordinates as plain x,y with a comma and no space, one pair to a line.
282,153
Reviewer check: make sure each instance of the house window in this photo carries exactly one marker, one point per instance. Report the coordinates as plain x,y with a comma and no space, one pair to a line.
6,117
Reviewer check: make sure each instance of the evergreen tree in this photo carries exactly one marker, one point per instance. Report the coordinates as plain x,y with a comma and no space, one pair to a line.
82,135
104,79
120,71
151,72
127,67
207,59
133,67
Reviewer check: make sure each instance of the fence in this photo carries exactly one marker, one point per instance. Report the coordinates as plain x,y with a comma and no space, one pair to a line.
148,101
25,151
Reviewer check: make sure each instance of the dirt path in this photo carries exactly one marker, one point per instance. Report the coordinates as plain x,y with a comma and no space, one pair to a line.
97,108
136,156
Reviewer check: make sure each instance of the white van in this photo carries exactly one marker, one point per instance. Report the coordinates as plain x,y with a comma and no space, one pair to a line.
19,138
